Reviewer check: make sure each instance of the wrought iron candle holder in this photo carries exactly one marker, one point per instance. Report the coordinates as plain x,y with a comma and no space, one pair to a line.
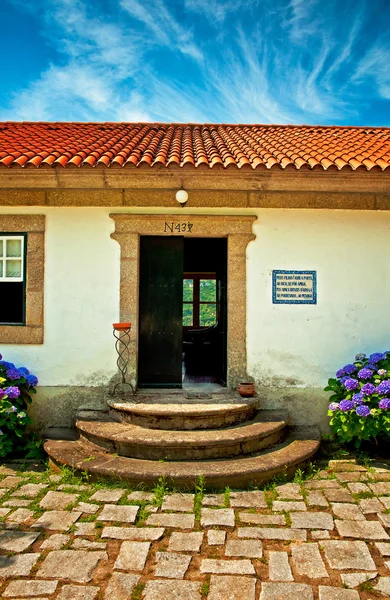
121,332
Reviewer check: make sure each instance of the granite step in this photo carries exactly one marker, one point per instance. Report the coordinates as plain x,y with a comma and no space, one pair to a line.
295,451
127,439
186,415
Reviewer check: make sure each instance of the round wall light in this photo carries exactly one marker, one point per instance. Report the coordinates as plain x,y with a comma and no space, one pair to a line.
181,197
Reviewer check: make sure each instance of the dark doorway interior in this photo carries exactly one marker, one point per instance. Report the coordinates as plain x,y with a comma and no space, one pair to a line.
182,311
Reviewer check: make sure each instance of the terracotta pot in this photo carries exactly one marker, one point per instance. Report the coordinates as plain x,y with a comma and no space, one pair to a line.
121,326
246,389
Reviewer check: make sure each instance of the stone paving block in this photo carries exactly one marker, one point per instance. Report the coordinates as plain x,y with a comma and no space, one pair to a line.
111,495
350,512
383,586
144,534
213,500
285,591
370,506
223,517
227,567
3,491
354,579
343,555
333,593
113,512
85,529
176,521
17,541
253,499
87,508
347,477
344,464
383,547
215,537
315,520
307,561
20,515
179,503
69,487
384,519
384,500
381,475
4,512
231,587
339,496
77,592
139,496
380,489
57,500
358,488
30,588
322,484
30,489
259,519
279,568
55,541
132,556
80,544
244,548
185,542
59,520
281,506
171,565
366,530
158,589
270,533
11,482
120,586
289,491
17,503
320,534
76,565
18,566
316,499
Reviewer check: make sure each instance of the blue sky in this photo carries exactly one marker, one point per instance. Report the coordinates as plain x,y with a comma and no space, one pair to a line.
229,61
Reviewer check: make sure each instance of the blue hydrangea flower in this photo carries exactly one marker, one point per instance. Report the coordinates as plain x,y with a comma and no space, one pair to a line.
376,357
365,373
346,405
384,387
13,374
32,380
360,356
382,372
358,398
333,406
24,371
384,403
349,369
363,410
12,391
340,373
344,379
368,389
351,384
7,365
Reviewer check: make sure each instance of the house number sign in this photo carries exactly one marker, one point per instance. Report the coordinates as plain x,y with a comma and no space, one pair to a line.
179,227
294,287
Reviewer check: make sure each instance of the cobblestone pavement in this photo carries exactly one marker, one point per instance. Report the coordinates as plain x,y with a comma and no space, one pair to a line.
323,538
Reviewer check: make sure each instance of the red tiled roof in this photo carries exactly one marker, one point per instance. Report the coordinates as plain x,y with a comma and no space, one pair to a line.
163,144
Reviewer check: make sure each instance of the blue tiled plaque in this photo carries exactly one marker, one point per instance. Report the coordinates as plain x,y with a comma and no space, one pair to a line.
294,287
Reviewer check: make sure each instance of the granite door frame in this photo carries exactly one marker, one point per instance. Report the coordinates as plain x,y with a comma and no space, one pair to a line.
237,230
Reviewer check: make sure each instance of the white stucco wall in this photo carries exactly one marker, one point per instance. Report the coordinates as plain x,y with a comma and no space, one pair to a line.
288,345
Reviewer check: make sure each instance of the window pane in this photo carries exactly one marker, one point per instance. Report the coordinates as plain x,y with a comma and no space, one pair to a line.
188,315
14,247
13,268
207,315
1,247
1,268
188,290
207,290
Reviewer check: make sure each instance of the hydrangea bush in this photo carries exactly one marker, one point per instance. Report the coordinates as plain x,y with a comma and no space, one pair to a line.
16,387
360,404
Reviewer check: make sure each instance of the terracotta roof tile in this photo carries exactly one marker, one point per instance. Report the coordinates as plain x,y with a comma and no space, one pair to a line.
76,145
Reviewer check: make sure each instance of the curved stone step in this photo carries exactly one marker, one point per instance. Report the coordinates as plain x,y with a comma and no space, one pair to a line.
184,415
126,439
299,447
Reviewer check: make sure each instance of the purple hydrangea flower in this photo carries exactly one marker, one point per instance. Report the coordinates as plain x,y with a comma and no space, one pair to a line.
333,406
32,380
368,389
13,374
349,369
376,357
365,373
339,373
1,357
360,356
363,410
7,365
351,384
24,371
358,398
12,391
344,379
2,394
346,405
384,387
382,372
384,403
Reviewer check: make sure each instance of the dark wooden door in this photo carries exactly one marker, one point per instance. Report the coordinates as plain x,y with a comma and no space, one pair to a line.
223,321
160,312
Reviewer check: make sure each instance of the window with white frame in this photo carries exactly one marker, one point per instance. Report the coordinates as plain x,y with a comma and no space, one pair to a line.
12,278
